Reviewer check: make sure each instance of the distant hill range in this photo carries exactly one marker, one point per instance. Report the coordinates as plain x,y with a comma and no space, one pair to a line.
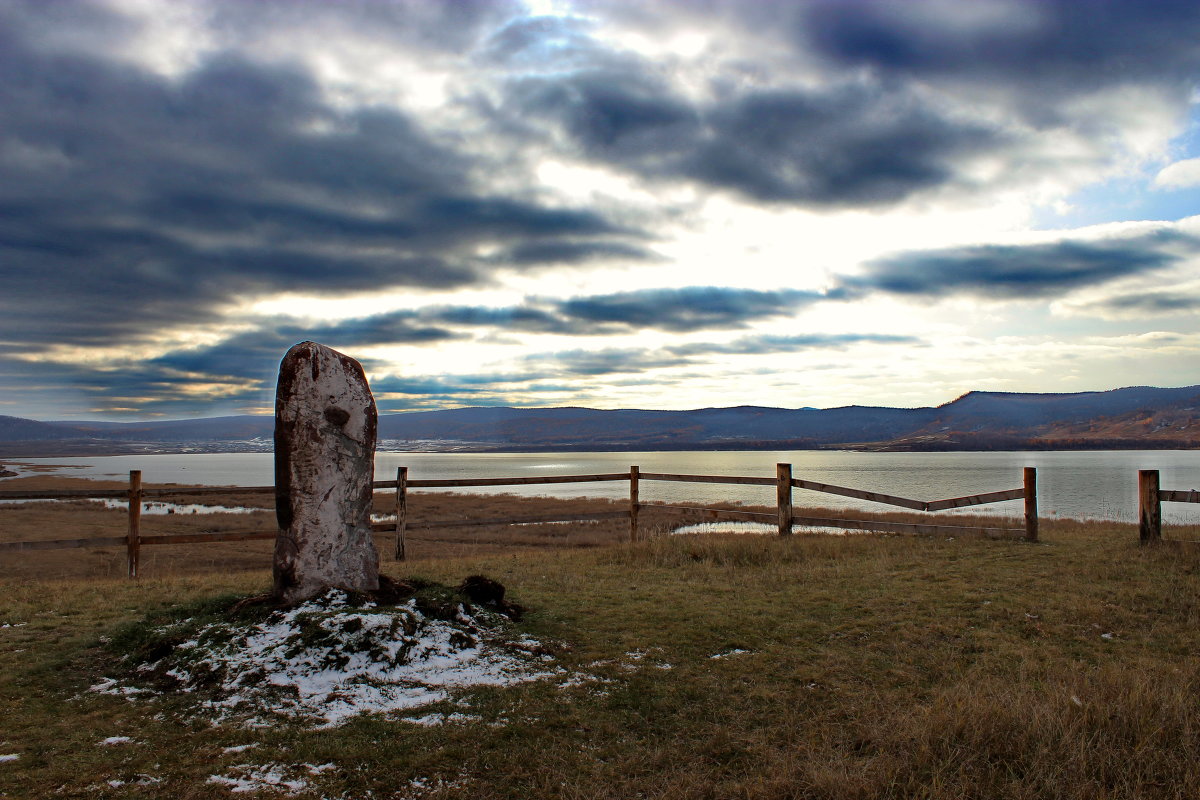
1137,417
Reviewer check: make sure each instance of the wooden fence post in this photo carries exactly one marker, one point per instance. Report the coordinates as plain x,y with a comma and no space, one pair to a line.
1031,510
634,474
401,510
133,542
1149,507
783,497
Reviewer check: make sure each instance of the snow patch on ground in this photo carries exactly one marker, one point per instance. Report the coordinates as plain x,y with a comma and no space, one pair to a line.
282,778
4,759
737,651
420,787
324,662
441,719
117,740
137,780
255,778
111,686
584,679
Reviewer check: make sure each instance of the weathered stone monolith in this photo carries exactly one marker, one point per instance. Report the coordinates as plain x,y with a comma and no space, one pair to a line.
325,423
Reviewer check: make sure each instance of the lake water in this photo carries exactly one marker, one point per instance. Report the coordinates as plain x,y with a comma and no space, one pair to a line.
1087,485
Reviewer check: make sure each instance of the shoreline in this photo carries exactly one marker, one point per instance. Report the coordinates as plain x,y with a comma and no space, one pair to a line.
108,451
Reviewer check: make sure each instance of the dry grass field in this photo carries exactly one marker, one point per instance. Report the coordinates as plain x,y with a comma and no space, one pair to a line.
710,666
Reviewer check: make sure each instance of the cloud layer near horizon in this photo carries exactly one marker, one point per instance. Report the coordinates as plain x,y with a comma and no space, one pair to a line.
589,205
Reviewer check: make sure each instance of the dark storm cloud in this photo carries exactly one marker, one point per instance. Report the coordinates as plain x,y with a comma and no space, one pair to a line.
1018,271
601,362
525,319
898,110
417,25
851,141
620,114
855,143
244,367
767,344
536,42
246,364
693,308
428,386
849,145
139,388
688,309
1148,304
133,202
1061,42
572,253
632,360
1057,45
434,393
256,354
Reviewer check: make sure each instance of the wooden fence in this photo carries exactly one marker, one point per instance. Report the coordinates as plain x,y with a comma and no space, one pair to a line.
1150,499
783,515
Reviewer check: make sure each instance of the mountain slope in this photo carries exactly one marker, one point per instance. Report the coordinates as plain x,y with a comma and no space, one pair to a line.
16,429
634,428
1011,411
1130,417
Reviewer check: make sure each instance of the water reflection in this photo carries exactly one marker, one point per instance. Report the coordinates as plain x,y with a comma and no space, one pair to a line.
756,529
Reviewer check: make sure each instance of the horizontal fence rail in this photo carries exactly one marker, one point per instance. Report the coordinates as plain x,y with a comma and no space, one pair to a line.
663,476
975,499
135,495
858,494
457,482
1179,496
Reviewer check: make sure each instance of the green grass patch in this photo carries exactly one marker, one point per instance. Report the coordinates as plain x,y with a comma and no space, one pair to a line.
707,667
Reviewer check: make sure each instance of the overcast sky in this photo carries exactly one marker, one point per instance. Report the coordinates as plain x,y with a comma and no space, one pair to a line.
608,204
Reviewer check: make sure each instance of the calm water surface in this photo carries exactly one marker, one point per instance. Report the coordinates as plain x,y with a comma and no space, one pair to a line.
1089,485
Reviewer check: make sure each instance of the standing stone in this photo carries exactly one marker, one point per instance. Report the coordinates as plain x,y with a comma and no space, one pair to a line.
325,422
